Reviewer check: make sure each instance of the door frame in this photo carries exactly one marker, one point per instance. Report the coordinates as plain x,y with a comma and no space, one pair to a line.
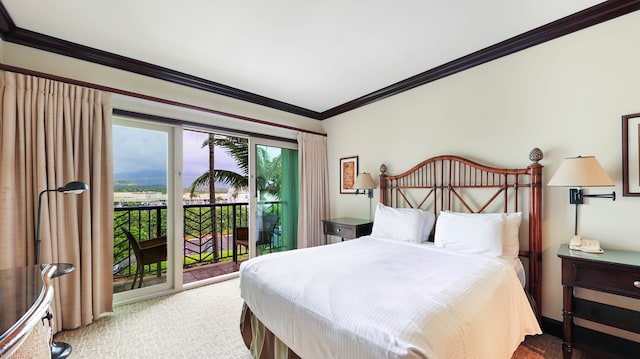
174,211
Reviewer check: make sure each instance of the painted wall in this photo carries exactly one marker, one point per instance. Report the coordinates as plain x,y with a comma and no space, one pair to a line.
566,97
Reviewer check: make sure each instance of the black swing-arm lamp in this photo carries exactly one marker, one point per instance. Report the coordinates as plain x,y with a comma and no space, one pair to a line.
579,172
74,187
364,184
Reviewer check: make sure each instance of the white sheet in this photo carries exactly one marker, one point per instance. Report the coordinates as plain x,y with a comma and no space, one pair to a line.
375,298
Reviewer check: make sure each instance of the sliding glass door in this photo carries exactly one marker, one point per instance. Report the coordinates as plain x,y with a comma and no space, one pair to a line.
144,208
274,200
215,204
195,226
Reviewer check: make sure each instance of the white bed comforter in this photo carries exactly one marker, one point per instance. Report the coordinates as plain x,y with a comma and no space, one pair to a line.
373,298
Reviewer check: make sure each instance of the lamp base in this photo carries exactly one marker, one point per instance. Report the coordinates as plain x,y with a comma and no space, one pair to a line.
60,350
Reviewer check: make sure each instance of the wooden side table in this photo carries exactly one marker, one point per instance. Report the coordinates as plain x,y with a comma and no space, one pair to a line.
346,228
614,271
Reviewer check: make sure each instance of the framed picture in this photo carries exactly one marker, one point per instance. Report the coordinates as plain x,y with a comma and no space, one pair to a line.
348,173
631,155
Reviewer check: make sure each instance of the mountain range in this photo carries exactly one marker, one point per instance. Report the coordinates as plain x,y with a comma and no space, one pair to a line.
146,180
144,177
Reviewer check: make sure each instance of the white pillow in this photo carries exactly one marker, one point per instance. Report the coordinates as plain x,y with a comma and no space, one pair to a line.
510,233
471,233
510,236
429,221
402,224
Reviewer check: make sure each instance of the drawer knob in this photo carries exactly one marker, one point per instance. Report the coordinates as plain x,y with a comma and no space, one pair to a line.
636,284
338,230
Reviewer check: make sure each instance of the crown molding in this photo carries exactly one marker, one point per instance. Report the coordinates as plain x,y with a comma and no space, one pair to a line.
572,23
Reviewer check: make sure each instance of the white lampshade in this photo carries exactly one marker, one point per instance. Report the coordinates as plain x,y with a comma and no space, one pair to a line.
364,181
581,171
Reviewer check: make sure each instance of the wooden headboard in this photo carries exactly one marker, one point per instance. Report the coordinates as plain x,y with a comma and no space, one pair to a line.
459,184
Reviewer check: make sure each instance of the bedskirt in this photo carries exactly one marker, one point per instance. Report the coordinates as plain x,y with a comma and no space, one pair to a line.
260,341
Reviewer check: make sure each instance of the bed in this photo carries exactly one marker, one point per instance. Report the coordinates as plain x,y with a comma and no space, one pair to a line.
440,276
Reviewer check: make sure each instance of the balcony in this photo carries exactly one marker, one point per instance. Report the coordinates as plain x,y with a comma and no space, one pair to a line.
204,255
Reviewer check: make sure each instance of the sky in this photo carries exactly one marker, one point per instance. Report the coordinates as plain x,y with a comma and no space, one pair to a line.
141,155
196,158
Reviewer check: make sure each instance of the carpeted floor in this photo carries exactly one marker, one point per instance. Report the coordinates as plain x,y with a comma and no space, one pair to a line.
197,323
202,323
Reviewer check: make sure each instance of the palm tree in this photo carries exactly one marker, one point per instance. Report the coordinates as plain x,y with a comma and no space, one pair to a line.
268,181
238,149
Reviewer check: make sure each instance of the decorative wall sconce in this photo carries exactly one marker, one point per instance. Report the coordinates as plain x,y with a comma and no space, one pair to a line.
364,184
579,172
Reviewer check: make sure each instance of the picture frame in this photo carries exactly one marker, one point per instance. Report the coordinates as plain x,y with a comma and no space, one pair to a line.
348,174
631,155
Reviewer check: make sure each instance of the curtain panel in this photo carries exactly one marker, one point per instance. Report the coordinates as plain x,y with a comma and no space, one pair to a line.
314,189
53,133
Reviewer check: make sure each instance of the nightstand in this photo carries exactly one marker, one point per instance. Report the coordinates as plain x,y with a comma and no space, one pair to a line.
346,228
614,271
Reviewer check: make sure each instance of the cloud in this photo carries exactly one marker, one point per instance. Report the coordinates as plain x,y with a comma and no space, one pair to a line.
136,149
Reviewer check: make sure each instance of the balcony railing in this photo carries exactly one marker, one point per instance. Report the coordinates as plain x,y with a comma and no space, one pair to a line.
199,245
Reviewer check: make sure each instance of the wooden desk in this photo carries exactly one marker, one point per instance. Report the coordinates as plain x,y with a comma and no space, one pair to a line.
346,228
614,271
25,297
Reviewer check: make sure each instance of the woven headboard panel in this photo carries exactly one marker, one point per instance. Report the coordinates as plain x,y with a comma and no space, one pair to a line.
454,183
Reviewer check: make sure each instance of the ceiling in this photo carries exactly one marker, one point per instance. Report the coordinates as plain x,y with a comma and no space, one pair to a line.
314,58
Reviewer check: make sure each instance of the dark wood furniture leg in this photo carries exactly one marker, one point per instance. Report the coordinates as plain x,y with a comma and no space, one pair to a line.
567,321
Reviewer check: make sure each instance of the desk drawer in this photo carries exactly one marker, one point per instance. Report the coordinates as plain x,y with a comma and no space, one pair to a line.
333,229
611,279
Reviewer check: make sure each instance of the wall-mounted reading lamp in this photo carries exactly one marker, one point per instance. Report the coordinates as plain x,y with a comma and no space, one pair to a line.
365,182
579,172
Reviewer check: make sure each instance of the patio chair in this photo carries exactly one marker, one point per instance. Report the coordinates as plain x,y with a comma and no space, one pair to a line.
147,252
265,236
242,237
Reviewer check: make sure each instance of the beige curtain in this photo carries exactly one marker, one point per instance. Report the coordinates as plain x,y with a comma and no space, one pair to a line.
53,133
314,189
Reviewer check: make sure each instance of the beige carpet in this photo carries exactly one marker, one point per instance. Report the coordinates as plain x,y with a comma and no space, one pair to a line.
197,323
200,323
